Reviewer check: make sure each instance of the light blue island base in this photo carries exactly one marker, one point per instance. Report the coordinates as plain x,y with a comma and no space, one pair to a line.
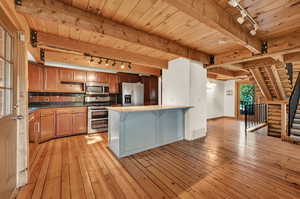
136,129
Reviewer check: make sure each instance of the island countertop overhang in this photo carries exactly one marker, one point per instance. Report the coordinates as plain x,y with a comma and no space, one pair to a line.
126,109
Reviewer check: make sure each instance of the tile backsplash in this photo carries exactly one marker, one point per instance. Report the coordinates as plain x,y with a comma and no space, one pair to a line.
54,97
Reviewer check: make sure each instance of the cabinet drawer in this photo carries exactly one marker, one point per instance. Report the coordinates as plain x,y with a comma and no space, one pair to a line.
47,112
79,109
63,110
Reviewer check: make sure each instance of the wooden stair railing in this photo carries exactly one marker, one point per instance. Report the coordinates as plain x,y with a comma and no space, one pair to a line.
255,115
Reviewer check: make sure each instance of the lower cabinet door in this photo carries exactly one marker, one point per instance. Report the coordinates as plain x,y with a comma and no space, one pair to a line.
47,122
79,123
64,124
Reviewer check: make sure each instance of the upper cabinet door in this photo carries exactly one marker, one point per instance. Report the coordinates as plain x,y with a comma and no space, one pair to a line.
103,77
91,76
51,79
113,81
66,75
35,77
79,76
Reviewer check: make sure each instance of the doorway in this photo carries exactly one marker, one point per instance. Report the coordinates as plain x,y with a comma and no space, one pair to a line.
13,151
245,96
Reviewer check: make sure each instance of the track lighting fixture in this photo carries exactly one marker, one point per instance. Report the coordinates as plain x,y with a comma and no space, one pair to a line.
107,61
244,16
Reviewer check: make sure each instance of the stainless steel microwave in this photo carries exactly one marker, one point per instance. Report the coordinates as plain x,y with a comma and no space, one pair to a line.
95,88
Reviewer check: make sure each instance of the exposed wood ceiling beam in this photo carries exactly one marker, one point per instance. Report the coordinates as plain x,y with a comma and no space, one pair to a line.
259,63
212,76
51,40
210,13
260,83
221,71
58,12
292,57
273,82
81,60
279,46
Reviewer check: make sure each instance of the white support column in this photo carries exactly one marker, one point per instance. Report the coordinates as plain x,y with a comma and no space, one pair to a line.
184,83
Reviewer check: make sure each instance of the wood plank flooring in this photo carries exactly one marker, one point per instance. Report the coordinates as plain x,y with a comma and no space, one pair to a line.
225,164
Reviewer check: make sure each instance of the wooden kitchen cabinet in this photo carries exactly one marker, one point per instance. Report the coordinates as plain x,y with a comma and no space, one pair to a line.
35,77
71,121
91,76
79,122
113,81
34,126
66,75
150,90
47,125
79,76
64,122
103,77
51,79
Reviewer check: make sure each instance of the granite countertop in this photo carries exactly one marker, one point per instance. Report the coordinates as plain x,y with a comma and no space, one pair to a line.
43,106
145,108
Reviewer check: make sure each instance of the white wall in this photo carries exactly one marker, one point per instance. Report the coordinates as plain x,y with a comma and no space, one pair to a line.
229,100
215,98
184,83
175,83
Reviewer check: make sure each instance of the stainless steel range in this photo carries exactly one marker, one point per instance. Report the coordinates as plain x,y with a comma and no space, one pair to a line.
97,113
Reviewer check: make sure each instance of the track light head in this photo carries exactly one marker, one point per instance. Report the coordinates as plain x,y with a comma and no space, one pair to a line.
114,63
122,66
234,3
129,65
253,32
92,59
100,61
241,20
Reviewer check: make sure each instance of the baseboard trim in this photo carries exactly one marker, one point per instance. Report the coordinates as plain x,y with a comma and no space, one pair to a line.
221,117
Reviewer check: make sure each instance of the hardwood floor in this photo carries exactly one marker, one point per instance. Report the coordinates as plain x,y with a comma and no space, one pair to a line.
224,165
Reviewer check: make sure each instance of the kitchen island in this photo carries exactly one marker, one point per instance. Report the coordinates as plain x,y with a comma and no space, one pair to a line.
138,128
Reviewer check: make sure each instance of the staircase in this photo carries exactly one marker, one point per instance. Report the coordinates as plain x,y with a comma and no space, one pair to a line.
273,86
294,111
295,128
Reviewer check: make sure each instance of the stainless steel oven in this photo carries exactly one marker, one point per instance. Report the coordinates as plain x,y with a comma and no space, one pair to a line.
97,113
95,88
97,119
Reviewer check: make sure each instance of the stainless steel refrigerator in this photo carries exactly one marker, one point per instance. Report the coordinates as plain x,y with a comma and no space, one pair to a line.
132,94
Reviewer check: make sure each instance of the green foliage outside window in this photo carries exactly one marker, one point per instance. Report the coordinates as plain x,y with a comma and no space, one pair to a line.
247,93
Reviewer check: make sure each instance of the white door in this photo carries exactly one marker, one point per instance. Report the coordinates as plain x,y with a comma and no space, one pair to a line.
8,108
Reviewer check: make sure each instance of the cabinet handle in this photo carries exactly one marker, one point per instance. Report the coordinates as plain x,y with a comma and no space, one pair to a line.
38,126
34,127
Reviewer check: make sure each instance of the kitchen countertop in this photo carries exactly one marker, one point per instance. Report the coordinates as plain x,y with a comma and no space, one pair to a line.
43,106
145,108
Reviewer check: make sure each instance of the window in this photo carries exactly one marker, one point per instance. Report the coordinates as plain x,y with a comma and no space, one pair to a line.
6,66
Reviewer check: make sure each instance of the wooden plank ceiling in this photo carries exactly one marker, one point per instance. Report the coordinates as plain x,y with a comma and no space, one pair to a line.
276,18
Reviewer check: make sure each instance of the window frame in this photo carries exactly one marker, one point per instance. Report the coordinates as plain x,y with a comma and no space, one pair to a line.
7,105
